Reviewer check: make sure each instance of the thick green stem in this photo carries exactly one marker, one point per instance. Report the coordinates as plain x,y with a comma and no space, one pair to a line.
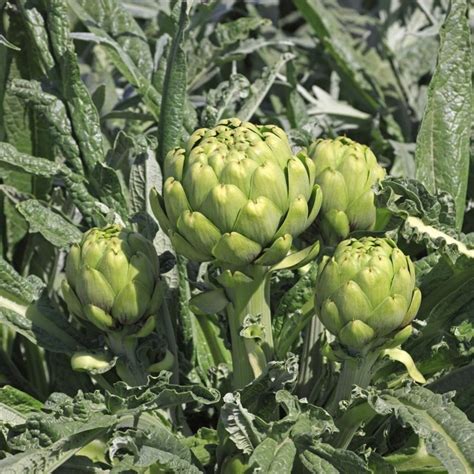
250,354
355,371
128,367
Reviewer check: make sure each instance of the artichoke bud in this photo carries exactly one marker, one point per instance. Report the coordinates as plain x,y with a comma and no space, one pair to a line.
241,189
72,302
365,293
199,230
356,335
114,266
87,362
131,302
122,288
175,199
347,172
259,220
92,286
335,223
174,163
200,179
73,265
92,252
98,317
298,179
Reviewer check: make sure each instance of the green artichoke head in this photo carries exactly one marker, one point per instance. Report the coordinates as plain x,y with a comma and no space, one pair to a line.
237,195
112,279
366,293
346,172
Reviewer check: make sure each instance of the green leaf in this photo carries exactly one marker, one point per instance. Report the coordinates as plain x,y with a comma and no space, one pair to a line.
240,424
155,446
259,396
38,41
446,431
159,393
442,149
48,439
338,44
259,89
293,312
81,109
233,31
120,59
116,21
50,458
220,102
174,91
22,309
11,158
16,405
54,112
271,456
49,224
203,445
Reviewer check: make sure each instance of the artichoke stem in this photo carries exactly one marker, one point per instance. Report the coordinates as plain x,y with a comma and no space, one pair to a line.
355,371
250,355
128,367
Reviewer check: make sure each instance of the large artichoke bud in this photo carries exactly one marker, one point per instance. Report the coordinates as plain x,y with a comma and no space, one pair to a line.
365,292
346,172
237,195
112,280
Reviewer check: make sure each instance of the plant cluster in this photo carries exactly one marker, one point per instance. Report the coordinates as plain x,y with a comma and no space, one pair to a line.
216,257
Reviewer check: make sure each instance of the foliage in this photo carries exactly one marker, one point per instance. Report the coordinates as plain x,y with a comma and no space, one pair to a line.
232,371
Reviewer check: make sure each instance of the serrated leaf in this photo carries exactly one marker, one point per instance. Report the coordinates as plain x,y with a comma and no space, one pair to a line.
11,158
174,91
116,21
239,423
82,112
159,393
442,151
154,446
271,456
120,58
53,111
446,431
228,33
291,316
15,405
260,88
49,224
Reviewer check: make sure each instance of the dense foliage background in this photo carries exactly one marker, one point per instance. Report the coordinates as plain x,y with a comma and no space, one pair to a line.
94,93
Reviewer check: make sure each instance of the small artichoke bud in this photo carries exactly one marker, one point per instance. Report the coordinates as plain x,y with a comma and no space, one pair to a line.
237,195
112,279
366,294
87,362
346,171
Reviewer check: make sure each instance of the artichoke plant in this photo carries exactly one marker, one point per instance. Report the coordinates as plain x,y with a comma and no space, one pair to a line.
346,172
112,281
366,293
236,194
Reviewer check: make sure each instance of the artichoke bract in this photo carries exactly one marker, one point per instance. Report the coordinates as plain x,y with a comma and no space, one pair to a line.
346,172
112,280
237,195
366,293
